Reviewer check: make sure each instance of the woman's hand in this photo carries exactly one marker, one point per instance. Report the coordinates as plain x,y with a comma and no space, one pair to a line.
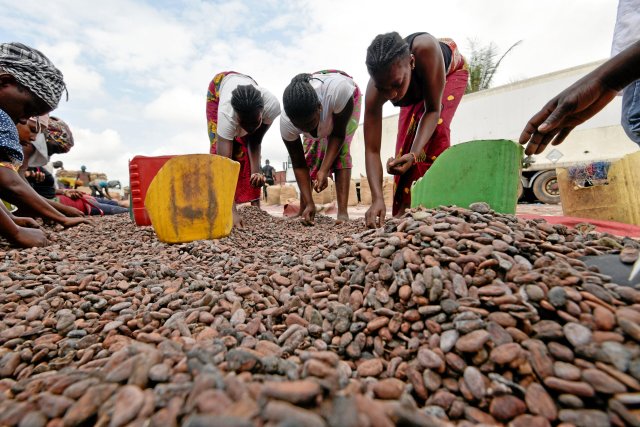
35,176
558,117
400,165
257,180
322,181
24,221
237,218
374,217
30,237
309,214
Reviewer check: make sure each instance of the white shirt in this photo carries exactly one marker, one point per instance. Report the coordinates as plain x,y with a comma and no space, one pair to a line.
627,29
334,91
228,122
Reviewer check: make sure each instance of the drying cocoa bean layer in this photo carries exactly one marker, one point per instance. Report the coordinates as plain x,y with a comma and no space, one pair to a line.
443,317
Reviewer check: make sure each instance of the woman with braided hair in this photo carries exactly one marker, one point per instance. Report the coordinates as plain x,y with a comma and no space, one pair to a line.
239,113
426,78
325,108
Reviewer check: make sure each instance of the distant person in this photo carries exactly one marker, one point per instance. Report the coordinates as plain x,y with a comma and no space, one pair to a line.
426,77
625,33
83,178
100,188
239,113
269,175
33,171
323,107
581,101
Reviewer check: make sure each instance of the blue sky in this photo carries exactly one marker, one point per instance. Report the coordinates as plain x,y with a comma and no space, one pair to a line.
137,71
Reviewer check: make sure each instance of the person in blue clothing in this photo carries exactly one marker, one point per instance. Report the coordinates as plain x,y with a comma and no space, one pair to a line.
100,188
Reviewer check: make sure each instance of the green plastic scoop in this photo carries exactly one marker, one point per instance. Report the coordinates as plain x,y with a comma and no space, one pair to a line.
475,171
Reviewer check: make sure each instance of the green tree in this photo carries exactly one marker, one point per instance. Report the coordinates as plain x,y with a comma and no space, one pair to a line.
483,64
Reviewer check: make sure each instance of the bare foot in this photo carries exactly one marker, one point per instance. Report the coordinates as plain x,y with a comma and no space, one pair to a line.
342,218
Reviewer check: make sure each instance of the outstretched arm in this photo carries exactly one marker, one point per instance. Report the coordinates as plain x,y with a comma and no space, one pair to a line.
225,148
301,171
581,101
372,142
254,147
15,190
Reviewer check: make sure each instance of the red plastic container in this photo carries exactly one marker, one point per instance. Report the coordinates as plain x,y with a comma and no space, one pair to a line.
142,170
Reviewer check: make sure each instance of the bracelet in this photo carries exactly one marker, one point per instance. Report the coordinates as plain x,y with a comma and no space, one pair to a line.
415,158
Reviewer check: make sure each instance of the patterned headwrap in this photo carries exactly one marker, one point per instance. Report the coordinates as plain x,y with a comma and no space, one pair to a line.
59,134
34,71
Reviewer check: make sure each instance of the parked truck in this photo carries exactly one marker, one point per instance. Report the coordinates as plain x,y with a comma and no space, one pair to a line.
502,112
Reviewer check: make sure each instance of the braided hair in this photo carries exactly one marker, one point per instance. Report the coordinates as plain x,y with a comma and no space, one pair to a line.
384,50
246,99
300,100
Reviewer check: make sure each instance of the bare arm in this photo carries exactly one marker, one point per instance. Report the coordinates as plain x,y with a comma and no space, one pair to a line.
254,147
372,142
20,236
301,171
373,139
581,101
300,168
225,148
15,190
66,210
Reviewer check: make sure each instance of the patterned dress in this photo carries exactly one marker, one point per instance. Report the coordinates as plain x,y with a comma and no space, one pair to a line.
456,83
315,149
244,191
11,155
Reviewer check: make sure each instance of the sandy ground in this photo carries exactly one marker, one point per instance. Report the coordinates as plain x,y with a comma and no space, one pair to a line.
359,211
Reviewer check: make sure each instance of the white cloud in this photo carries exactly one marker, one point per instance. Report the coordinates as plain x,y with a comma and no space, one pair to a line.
177,105
99,151
83,82
98,114
140,69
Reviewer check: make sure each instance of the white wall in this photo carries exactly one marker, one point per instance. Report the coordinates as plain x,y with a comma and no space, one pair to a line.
502,112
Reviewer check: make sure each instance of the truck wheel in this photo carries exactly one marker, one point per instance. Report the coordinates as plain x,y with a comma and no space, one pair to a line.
546,189
520,189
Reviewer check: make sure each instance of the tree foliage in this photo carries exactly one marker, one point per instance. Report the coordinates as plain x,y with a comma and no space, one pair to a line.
483,64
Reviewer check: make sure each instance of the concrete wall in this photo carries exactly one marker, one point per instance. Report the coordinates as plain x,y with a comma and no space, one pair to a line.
502,112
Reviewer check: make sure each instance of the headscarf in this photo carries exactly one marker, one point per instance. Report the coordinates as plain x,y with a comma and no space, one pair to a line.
59,134
42,121
34,71
40,156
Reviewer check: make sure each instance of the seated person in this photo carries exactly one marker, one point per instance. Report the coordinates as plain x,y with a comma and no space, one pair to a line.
36,156
70,202
30,85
